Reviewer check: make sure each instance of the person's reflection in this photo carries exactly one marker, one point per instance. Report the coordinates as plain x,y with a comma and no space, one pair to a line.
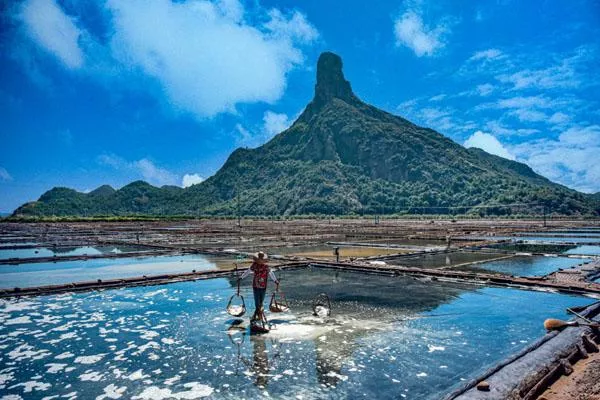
260,361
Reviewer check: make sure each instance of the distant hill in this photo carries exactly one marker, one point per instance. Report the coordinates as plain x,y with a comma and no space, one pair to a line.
340,156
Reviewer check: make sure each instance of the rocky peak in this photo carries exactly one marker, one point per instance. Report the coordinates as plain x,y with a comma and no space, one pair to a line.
330,80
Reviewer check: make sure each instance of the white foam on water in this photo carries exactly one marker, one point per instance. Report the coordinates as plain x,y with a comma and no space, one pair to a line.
112,392
152,294
6,376
334,374
167,341
11,397
195,391
30,386
421,374
26,351
26,319
62,356
139,374
172,380
433,348
18,306
89,359
48,319
54,368
144,347
148,335
92,376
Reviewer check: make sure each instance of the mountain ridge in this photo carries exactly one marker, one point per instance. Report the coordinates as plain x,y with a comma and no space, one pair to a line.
340,156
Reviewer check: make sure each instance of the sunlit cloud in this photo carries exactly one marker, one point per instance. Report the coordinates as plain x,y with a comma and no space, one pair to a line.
52,30
488,143
571,159
140,169
188,68
191,179
411,31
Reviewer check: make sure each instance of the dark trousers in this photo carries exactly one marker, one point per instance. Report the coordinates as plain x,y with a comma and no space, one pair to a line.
259,297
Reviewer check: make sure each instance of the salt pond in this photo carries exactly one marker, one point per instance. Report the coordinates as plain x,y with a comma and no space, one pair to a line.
326,251
49,273
438,260
67,251
172,341
528,265
586,250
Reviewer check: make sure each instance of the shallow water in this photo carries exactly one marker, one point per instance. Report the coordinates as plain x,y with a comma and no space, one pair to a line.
51,273
586,250
171,341
563,233
529,265
67,251
540,239
445,259
326,251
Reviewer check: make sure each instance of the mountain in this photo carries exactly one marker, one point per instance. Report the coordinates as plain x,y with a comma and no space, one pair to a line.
340,156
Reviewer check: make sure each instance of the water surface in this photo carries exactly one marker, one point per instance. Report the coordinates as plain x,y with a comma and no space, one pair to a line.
67,251
445,259
528,265
51,273
173,341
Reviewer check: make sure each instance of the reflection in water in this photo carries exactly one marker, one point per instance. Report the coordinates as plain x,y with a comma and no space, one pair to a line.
260,361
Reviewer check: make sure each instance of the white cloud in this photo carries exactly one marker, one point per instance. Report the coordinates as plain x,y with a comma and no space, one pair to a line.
202,57
525,115
439,97
488,143
4,175
205,56
571,159
295,27
410,31
526,102
54,31
155,174
485,90
489,54
558,118
560,76
275,123
191,179
244,136
500,130
143,168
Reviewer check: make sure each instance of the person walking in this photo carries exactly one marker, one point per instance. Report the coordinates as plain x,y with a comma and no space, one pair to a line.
262,273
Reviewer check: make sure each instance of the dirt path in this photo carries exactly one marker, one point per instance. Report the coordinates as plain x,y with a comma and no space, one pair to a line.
582,384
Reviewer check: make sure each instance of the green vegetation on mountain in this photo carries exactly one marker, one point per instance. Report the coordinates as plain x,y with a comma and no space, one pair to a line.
341,156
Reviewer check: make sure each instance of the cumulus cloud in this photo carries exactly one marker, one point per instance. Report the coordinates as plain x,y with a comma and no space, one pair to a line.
488,143
52,30
411,31
275,123
207,57
142,168
570,159
198,73
191,179
4,175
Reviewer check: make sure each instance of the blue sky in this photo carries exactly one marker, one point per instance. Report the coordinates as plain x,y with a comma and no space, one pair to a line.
95,92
